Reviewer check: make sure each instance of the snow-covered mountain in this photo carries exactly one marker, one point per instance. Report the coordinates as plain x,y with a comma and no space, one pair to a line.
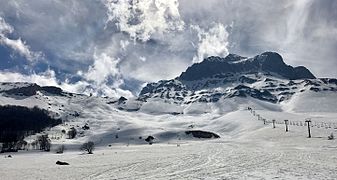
209,96
264,77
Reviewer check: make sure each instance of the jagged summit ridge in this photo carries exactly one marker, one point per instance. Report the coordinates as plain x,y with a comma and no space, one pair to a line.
265,77
268,62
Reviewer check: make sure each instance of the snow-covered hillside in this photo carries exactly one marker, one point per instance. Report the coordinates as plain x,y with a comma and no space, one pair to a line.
169,108
248,147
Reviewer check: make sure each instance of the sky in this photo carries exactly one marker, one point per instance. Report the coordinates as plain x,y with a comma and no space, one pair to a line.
114,47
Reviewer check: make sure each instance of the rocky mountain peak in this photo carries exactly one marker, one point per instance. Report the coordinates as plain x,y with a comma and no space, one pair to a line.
267,62
234,58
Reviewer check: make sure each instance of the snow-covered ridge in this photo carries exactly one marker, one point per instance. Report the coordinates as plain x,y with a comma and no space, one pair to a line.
268,62
264,87
27,89
216,80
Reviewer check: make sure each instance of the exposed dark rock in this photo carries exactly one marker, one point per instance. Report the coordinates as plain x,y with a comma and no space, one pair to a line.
61,163
25,91
31,90
149,139
243,91
244,79
314,89
329,81
86,127
121,100
52,90
202,134
282,89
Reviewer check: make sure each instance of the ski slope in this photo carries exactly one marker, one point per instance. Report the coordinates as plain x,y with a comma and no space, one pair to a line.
262,153
247,149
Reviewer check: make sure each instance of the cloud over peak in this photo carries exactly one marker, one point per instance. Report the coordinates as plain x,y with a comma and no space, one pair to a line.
212,42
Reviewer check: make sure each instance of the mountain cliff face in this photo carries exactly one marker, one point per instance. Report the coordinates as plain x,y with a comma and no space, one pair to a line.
265,77
268,62
28,89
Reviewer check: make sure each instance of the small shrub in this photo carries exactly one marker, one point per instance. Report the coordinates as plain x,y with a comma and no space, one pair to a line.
86,127
331,137
88,146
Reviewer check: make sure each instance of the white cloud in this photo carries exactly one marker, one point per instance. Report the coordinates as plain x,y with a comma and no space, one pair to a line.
142,19
4,27
142,58
17,45
124,44
104,75
297,21
212,41
44,79
48,78
103,67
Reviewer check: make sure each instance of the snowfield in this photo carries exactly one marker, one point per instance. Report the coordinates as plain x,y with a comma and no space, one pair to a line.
247,149
265,153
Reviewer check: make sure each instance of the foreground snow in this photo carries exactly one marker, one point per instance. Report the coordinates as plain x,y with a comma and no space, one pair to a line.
246,153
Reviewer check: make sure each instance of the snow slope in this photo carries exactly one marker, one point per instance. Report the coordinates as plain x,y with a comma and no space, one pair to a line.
248,147
250,150
167,121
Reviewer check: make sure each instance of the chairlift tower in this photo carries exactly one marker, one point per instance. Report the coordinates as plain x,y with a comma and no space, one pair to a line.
286,123
308,121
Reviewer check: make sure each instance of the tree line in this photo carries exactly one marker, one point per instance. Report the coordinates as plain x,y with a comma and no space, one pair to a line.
17,122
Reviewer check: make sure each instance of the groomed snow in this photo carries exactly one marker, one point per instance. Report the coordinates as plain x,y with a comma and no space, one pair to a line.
263,153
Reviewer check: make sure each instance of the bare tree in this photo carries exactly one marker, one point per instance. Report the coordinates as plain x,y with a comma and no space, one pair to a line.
44,142
72,133
88,146
22,144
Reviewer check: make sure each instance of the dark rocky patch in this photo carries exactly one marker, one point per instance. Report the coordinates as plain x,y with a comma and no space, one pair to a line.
244,91
86,127
25,91
314,89
52,90
122,100
244,79
202,134
31,90
61,163
149,139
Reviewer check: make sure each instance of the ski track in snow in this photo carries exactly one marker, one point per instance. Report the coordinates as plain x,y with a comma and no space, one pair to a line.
291,156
